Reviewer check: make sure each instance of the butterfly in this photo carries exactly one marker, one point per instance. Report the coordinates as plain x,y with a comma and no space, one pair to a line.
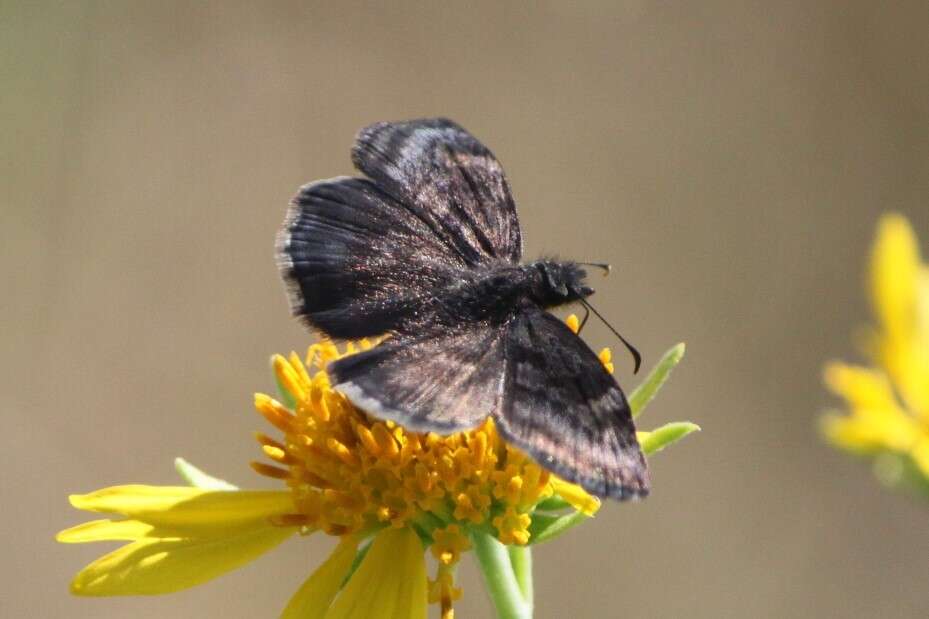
427,248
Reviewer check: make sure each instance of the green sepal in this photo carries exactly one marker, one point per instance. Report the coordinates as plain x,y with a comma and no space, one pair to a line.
545,527
286,399
647,389
901,472
553,503
359,557
425,536
426,523
198,479
659,438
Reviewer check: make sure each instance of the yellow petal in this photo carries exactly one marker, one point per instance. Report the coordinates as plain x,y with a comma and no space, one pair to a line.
919,388
105,530
316,594
906,354
186,510
390,583
920,455
900,291
895,265
861,387
869,429
922,307
850,434
908,365
877,420
576,496
151,565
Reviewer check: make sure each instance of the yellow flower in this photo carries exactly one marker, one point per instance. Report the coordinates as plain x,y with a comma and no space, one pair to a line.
350,472
889,403
386,493
349,475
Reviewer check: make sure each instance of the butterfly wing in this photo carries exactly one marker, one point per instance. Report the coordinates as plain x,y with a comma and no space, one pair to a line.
442,383
357,262
362,257
449,179
562,407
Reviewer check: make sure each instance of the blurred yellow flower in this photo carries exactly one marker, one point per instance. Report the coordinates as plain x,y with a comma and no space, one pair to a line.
388,495
888,416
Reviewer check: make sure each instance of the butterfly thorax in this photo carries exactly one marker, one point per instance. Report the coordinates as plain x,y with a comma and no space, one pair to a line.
494,294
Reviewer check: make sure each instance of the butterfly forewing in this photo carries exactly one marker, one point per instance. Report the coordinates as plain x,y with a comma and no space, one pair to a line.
451,180
361,257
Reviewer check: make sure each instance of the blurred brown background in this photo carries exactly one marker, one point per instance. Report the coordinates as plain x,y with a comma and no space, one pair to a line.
729,158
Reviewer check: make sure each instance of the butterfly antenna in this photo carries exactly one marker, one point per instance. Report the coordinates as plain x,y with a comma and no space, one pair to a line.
599,265
580,327
635,353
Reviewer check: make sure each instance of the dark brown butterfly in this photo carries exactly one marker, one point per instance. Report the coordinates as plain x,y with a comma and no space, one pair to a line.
427,249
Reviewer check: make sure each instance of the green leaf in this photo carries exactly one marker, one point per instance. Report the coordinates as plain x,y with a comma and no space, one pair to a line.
198,479
545,527
659,438
647,390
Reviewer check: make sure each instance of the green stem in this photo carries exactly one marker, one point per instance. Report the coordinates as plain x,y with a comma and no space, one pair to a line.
494,561
521,559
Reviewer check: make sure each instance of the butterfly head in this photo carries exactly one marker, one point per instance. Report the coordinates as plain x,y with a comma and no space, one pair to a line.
556,283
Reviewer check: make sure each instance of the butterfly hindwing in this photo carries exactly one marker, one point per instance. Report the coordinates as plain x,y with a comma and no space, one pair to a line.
562,408
451,180
443,382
